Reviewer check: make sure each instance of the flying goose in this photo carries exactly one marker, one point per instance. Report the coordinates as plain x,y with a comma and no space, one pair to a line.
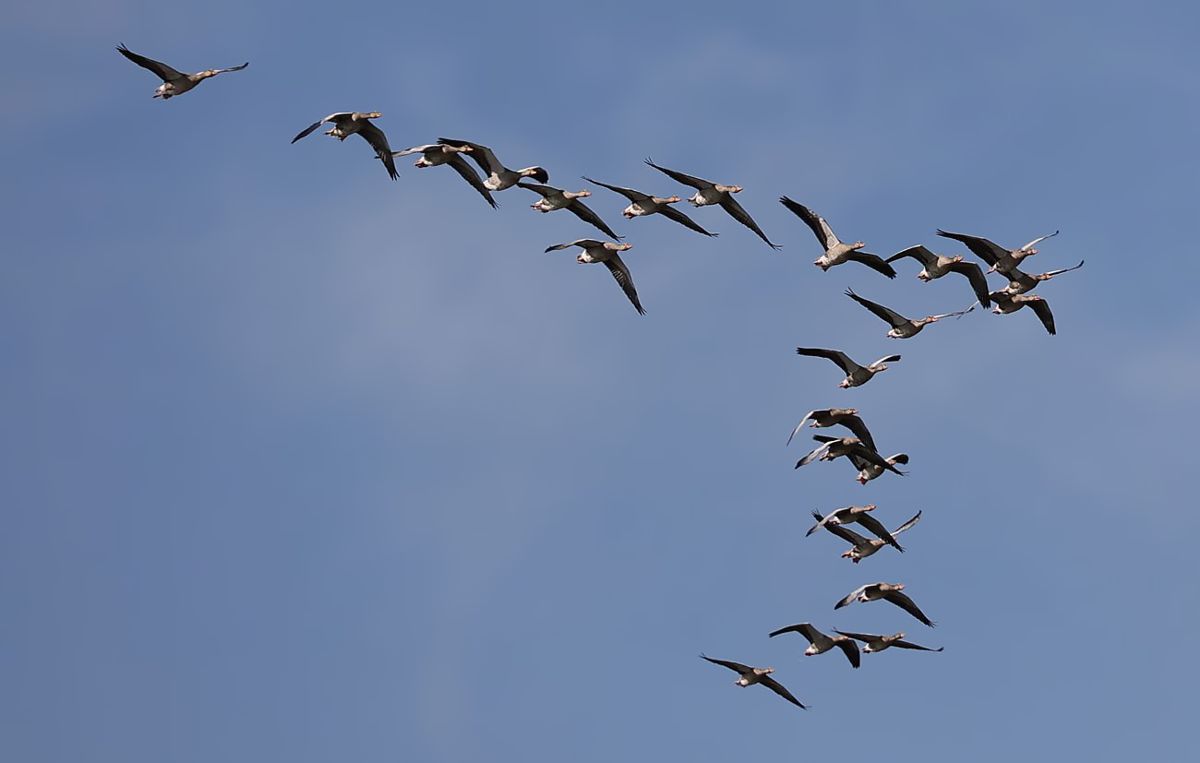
836,447
708,193
856,375
644,204
875,643
819,643
174,83
347,123
1007,302
556,198
434,154
838,518
827,417
868,470
1019,282
498,177
936,266
606,252
892,592
748,676
1001,260
862,547
836,252
903,328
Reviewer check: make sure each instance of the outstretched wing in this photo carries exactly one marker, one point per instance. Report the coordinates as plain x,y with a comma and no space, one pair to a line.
730,205
887,314
850,597
850,649
628,193
480,154
1042,308
812,455
230,69
918,252
804,629
907,525
585,213
583,242
873,261
320,122
859,428
164,72
820,228
900,599
374,136
472,177
695,182
545,191
842,360
975,275
800,426
910,645
621,273
736,667
985,250
876,527
671,213
779,689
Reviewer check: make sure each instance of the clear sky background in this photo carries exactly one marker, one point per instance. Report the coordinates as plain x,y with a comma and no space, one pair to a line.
301,464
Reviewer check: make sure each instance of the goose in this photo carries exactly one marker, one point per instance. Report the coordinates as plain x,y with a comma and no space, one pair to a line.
606,252
903,328
889,592
1007,302
868,471
644,204
862,547
498,177
434,154
856,375
556,198
892,592
1001,260
838,518
347,123
836,447
827,417
748,676
1019,282
708,193
819,643
936,266
873,643
836,252
174,82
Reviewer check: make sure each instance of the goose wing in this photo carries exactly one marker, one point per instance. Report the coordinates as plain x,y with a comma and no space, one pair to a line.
779,689
1052,273
804,629
617,267
585,213
628,193
975,275
842,360
985,250
887,359
907,525
902,644
859,428
671,213
850,597
887,314
918,252
374,136
1036,241
901,599
730,205
820,228
800,426
812,455
876,527
736,667
1042,308
480,154
417,149
870,456
841,531
873,261
472,177
850,649
866,638
164,72
545,191
230,69
586,243
319,122
698,183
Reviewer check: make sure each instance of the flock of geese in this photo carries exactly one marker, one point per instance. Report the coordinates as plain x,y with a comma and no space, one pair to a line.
860,449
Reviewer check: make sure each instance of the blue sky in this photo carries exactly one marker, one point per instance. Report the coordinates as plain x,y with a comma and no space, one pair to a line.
302,464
